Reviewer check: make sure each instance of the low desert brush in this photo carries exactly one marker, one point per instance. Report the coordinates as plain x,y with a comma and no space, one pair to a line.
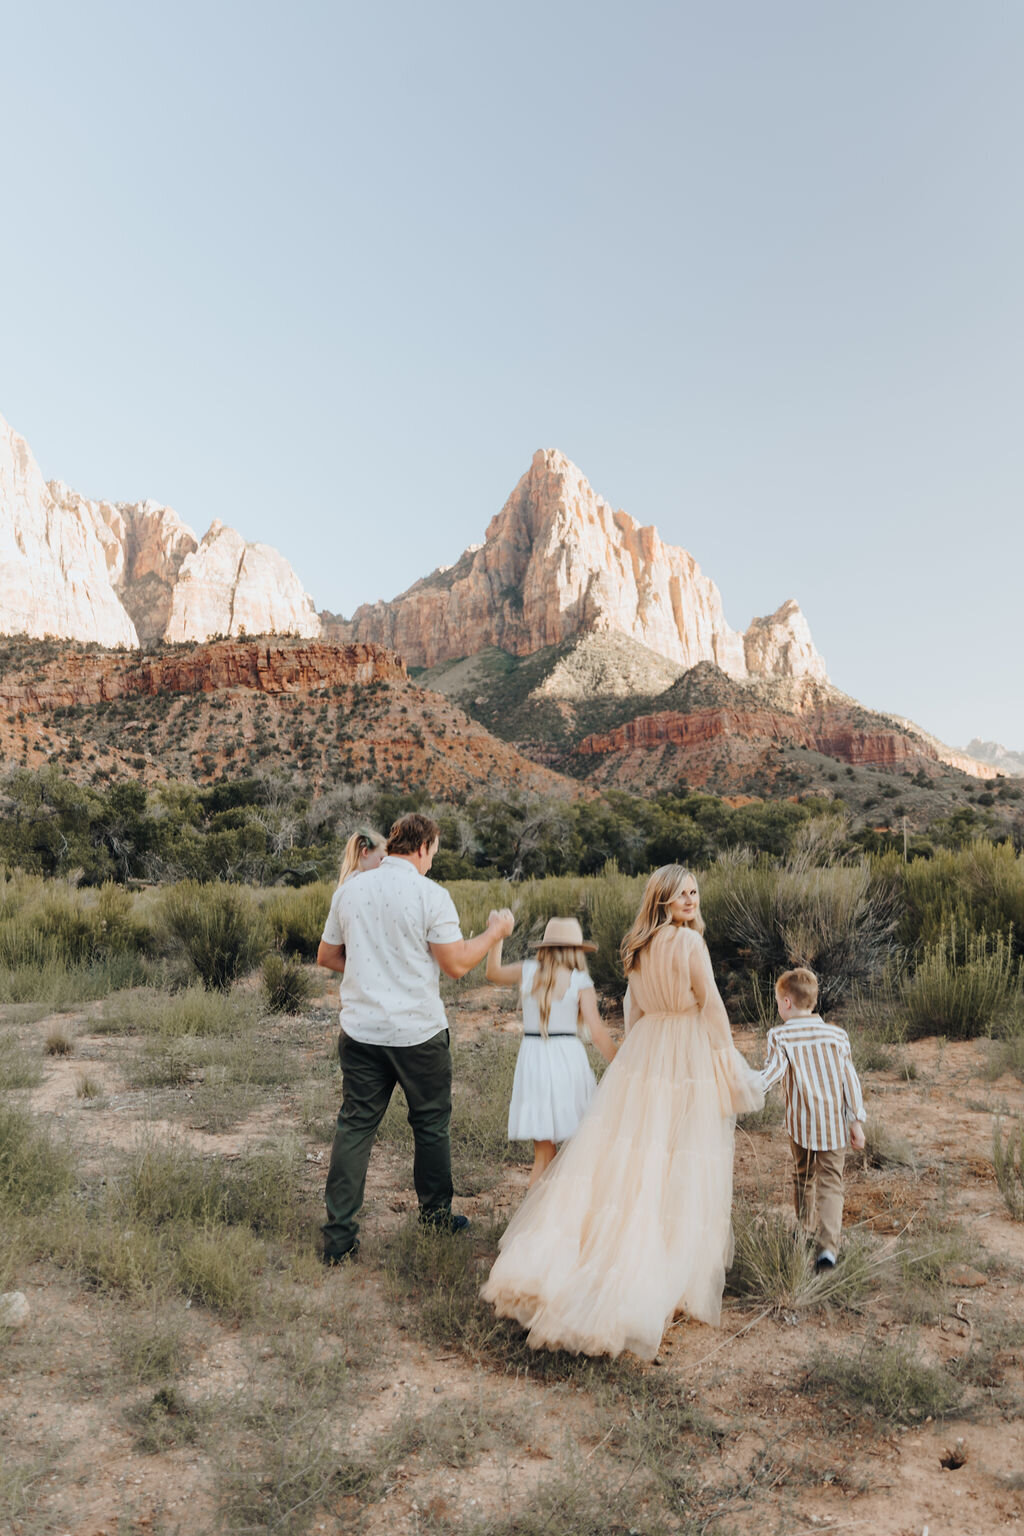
887,1380
1008,1162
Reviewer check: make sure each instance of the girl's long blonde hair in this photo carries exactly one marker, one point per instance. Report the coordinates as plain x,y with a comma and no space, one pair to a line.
662,887
550,961
359,843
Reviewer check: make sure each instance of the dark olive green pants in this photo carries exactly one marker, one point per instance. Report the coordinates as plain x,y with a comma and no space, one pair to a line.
369,1075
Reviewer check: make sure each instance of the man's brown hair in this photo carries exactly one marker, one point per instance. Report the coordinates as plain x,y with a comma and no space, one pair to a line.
800,986
409,833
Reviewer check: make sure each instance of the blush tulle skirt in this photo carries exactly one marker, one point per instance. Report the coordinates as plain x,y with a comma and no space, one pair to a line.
631,1223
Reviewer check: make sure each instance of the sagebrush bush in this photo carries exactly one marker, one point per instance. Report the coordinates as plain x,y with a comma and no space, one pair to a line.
287,988
837,919
963,987
219,927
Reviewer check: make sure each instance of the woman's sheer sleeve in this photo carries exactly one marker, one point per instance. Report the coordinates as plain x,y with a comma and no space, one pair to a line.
631,1010
739,1086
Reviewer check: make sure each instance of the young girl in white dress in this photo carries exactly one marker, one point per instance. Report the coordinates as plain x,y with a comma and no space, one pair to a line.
553,1081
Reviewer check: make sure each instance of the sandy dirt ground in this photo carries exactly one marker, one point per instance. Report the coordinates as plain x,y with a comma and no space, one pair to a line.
778,1462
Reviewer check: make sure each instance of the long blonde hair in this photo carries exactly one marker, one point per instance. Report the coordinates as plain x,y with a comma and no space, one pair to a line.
358,844
662,887
550,960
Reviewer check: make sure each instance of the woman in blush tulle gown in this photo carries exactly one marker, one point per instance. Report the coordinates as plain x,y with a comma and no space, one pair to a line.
632,1221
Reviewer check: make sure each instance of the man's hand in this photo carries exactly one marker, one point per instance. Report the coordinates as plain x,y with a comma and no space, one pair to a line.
500,923
857,1139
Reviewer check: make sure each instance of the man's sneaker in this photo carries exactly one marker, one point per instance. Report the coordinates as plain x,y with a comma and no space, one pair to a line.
347,1256
444,1221
825,1262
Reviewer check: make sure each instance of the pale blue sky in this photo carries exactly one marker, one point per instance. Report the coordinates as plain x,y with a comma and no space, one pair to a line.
332,272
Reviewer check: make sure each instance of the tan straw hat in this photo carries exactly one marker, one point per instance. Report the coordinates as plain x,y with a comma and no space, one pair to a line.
564,933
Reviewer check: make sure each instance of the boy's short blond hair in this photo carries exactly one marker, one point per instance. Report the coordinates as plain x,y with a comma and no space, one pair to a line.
799,985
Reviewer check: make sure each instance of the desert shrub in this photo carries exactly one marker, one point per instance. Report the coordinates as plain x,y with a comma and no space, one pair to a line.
60,1041
219,927
297,918
58,985
1008,1162
836,919
286,986
976,889
888,1380
963,986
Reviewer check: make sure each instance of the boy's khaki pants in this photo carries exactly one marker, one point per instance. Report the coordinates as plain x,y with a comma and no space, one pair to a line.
818,1193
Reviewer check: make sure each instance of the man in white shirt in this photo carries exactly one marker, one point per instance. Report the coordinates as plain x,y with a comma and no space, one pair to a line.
390,933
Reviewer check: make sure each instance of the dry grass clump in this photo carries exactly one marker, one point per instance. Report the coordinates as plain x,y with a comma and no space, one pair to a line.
772,1265
166,1421
60,1041
88,1088
150,1346
1008,1162
884,1149
886,1380
19,1067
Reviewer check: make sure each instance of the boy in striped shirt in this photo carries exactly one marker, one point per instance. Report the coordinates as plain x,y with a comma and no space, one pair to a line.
824,1107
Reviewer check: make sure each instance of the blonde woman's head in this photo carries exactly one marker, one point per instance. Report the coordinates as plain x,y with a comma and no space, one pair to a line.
364,850
671,895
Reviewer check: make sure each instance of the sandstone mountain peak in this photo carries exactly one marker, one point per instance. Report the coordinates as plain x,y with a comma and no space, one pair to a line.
559,561
128,573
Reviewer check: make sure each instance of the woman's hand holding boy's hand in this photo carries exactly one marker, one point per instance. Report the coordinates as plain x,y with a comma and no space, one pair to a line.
501,923
857,1140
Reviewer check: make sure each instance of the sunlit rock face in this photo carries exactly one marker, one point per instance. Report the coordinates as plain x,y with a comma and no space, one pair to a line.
558,561
781,646
55,569
123,573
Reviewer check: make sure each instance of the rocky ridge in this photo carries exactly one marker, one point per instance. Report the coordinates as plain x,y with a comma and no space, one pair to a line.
558,561
125,574
235,707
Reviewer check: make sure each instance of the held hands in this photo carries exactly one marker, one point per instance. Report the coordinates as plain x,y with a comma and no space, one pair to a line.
857,1141
501,923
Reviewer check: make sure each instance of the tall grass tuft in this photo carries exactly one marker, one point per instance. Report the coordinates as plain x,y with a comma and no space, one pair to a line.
964,986
1008,1162
219,927
772,1265
34,1171
286,986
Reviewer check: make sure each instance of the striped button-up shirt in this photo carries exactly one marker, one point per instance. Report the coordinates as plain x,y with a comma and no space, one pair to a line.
822,1088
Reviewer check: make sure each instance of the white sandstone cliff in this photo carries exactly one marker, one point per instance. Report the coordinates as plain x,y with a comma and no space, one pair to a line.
124,573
